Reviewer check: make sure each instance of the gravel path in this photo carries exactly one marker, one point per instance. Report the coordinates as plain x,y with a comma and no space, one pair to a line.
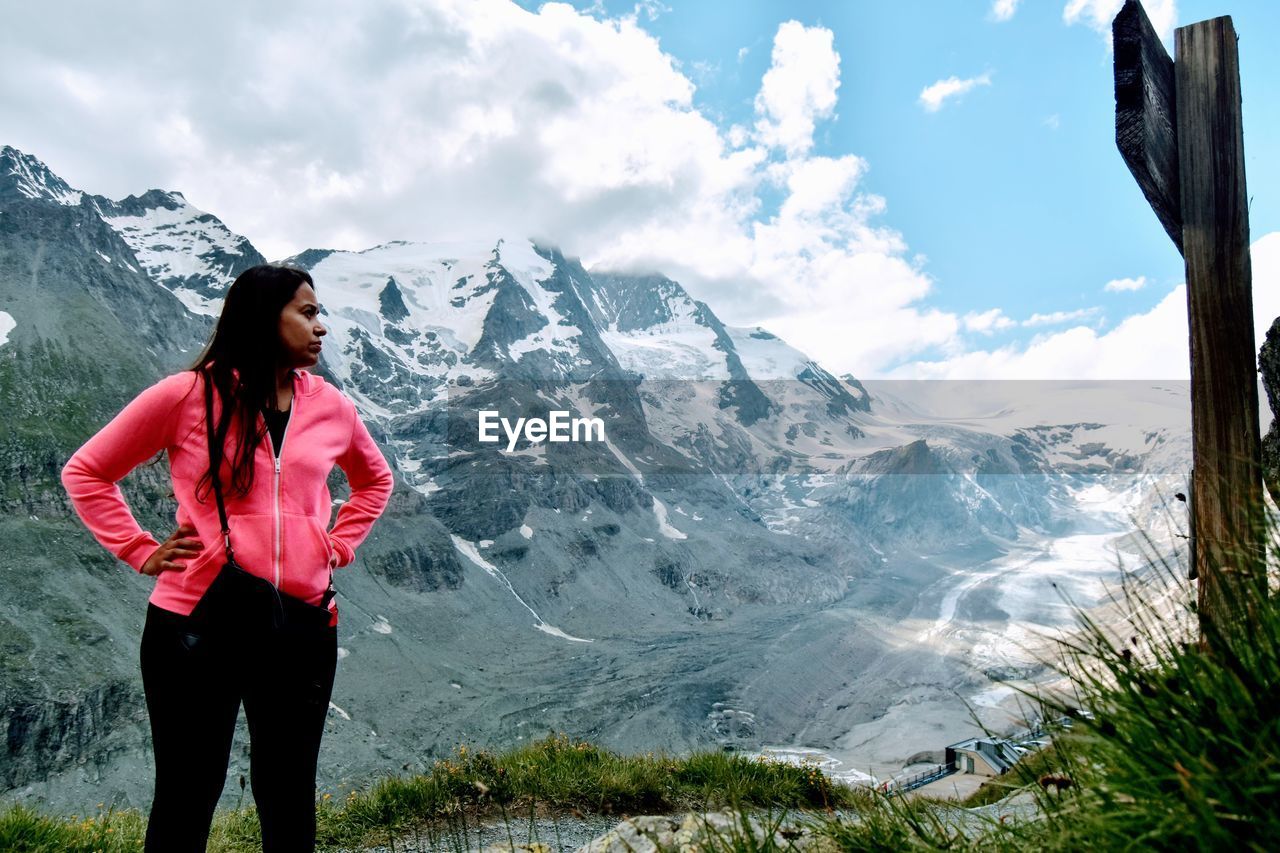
566,833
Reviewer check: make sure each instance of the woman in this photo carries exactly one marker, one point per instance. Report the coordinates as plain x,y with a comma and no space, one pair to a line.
277,430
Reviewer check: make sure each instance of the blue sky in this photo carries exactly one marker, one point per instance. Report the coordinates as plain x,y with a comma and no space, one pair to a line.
781,160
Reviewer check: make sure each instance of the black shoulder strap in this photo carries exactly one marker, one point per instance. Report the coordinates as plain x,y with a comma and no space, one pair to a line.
215,463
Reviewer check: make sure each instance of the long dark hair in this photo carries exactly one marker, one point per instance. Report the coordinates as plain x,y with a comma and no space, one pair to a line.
247,340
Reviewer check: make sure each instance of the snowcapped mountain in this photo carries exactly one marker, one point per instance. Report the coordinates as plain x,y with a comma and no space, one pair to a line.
27,177
188,252
65,262
740,400
412,318
418,325
742,496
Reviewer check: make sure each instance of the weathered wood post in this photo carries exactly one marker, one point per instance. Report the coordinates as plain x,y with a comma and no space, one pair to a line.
1179,129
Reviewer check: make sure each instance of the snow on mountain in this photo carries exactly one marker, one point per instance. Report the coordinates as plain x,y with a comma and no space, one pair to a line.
738,399
531,270
766,356
29,178
657,331
413,309
468,550
185,250
628,303
7,325
180,247
409,322
679,349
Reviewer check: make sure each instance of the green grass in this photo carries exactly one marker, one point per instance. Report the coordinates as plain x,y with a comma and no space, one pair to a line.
22,829
555,775
1180,749
559,774
1183,749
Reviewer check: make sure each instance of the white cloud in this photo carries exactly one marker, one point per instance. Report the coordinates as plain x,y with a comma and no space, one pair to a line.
742,53
703,71
988,322
1058,317
1265,257
1002,10
932,97
1053,122
651,9
1150,345
819,272
860,342
1122,284
343,125
1098,14
1144,346
799,88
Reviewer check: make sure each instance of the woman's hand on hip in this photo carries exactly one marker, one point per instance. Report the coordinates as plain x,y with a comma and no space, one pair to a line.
177,547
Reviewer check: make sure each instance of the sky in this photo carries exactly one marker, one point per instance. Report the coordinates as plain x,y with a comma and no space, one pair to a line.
908,188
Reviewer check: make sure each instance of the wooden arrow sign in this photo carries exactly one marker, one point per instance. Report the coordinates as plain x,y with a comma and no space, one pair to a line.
1146,107
1179,129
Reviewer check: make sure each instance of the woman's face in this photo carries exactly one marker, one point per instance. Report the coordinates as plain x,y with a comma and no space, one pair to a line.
300,329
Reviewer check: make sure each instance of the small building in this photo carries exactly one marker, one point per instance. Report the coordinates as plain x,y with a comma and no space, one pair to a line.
983,756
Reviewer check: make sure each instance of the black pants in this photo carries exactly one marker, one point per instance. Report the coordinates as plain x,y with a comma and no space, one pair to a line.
195,678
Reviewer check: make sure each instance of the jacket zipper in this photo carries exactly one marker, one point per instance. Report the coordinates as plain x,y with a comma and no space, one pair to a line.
277,454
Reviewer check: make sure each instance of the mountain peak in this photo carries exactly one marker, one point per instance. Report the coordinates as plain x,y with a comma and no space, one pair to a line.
154,198
631,302
25,176
184,249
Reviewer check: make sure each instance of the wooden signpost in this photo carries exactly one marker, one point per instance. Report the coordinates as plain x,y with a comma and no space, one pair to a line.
1179,129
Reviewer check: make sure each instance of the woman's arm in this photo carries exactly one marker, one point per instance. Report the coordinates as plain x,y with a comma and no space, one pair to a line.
141,430
371,483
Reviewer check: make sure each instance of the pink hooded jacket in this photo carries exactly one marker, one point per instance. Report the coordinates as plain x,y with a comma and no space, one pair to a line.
278,530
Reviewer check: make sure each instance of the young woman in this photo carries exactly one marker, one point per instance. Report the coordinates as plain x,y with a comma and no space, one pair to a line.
278,430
